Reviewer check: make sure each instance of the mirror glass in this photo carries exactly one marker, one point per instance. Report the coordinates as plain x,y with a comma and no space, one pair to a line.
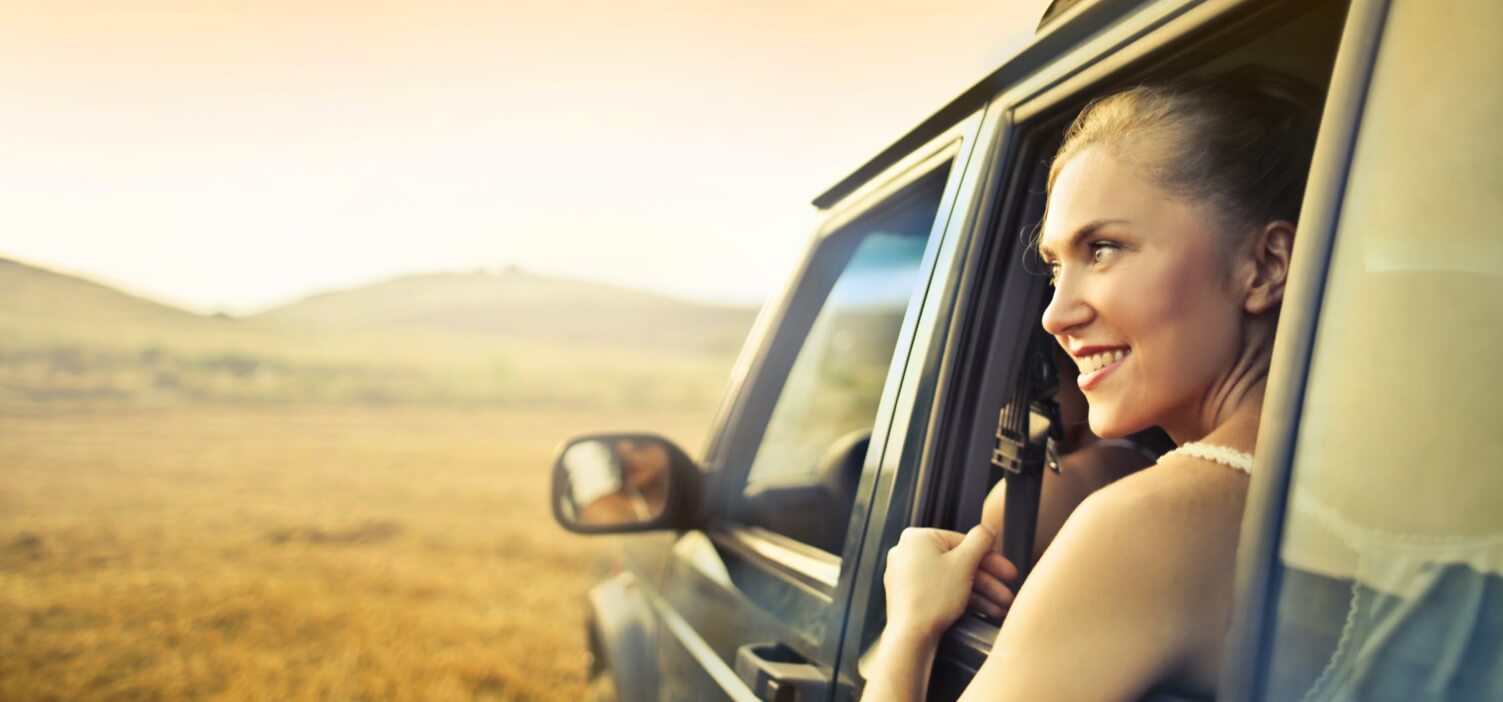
616,481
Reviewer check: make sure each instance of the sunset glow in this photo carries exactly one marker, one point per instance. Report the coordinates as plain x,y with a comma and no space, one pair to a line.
236,155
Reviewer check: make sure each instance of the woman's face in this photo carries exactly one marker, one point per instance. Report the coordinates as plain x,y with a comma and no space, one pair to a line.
1140,299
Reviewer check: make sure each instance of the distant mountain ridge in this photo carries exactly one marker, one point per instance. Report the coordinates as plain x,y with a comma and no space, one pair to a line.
519,305
24,287
44,305
458,338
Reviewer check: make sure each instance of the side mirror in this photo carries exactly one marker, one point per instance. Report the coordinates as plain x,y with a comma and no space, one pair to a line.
619,483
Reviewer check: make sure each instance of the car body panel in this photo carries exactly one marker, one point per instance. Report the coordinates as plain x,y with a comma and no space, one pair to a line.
624,628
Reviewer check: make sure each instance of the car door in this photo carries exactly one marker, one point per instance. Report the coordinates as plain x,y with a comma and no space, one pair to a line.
1372,559
751,606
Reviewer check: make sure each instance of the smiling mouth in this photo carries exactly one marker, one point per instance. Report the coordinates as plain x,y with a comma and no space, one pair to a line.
1097,361
1098,365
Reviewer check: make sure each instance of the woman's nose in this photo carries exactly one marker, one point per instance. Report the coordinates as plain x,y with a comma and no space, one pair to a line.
1066,310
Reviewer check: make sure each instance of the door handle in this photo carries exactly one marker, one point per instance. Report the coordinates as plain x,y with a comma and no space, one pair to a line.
777,673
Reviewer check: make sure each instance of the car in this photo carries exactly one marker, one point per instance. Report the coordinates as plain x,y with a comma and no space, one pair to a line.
867,398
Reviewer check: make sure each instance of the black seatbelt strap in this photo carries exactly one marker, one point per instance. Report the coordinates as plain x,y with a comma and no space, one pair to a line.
1028,429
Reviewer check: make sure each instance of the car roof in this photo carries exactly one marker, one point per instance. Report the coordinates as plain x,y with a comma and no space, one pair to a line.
1065,23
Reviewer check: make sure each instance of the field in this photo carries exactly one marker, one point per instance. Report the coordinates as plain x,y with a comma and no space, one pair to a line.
344,498
293,552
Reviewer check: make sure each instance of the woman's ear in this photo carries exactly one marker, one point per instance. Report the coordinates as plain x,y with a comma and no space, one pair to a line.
1270,267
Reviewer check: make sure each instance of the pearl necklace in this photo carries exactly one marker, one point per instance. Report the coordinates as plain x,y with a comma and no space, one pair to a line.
1225,455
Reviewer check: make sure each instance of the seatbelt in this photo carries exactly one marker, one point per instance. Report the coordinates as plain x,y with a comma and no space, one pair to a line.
1028,431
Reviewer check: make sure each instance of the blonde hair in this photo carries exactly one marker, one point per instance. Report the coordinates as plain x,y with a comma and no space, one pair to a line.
1240,142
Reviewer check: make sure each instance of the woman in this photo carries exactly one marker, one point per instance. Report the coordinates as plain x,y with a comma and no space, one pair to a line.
1168,234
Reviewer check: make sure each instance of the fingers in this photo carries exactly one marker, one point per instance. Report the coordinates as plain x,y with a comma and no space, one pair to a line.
974,548
989,587
990,596
975,545
998,565
987,608
920,547
943,540
933,574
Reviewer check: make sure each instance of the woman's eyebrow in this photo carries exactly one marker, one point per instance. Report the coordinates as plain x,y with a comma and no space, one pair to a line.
1080,233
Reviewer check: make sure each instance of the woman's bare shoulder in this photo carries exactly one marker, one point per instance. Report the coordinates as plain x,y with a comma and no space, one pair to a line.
1138,561
1180,517
1175,490
1168,529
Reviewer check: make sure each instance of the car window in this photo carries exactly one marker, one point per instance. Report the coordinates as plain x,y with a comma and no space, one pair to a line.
802,480
1391,561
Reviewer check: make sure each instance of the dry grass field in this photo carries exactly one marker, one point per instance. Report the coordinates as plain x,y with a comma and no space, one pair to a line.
288,554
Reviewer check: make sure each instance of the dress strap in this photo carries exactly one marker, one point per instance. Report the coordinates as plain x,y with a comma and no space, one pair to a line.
1225,455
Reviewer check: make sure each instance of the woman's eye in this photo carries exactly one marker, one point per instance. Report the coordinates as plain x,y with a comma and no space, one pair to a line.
1103,251
1053,272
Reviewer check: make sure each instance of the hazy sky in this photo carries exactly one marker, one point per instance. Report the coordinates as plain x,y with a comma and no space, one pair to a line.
235,155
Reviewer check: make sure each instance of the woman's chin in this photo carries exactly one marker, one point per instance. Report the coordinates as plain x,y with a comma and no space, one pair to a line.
1107,424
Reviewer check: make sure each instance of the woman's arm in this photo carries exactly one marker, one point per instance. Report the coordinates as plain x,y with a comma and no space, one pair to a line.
929,578
901,670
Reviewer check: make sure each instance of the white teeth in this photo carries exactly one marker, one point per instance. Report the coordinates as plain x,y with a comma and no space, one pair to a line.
1097,361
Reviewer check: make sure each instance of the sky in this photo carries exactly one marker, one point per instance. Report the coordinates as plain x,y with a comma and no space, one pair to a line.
235,155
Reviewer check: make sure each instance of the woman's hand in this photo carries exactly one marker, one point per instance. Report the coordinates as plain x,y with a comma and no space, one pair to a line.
932,574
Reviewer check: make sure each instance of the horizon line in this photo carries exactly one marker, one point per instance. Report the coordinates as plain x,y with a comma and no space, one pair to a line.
230,311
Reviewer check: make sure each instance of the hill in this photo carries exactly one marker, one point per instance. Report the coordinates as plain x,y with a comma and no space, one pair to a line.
39,307
493,339
519,306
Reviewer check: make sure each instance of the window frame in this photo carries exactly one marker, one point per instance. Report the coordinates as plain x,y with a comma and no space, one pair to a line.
758,380
778,581
802,588
830,259
752,395
777,351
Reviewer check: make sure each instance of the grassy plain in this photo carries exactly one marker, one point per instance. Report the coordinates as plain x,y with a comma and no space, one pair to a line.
342,499
293,553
